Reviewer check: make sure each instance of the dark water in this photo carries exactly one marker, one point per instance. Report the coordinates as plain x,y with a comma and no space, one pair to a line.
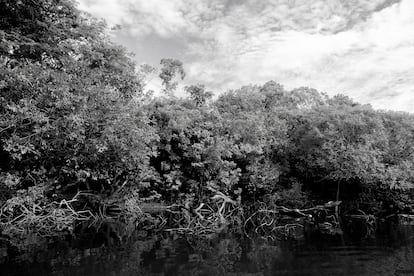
391,252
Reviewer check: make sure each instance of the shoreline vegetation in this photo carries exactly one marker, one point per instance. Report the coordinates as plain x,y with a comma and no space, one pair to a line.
83,147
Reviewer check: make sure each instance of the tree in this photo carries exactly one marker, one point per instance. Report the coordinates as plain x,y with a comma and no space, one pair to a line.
69,116
170,69
198,94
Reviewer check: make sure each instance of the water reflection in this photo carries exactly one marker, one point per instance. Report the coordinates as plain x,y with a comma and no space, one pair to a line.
390,253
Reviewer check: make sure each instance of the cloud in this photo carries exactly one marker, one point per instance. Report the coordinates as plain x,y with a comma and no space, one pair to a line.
360,48
199,17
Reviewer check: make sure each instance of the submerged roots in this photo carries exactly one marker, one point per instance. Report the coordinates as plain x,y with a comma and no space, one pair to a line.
30,214
24,216
208,218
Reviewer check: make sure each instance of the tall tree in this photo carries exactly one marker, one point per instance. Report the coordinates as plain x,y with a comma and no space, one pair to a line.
198,94
170,70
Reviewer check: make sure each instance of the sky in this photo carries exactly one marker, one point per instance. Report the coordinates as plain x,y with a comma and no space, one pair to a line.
360,48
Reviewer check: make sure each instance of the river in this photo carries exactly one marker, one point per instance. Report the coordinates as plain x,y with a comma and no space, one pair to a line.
389,252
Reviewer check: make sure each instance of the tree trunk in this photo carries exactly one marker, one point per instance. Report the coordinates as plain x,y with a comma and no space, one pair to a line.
337,199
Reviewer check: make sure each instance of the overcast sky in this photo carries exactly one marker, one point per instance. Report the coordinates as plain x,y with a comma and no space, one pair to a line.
361,48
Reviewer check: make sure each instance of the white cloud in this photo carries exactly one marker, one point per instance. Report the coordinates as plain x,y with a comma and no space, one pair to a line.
360,48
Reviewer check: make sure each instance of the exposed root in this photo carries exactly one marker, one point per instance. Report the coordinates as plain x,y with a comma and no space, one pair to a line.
208,218
284,223
20,218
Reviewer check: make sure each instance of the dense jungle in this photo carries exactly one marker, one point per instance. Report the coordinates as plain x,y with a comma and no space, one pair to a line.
85,147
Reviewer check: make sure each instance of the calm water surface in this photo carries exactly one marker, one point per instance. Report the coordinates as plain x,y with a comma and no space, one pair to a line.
391,252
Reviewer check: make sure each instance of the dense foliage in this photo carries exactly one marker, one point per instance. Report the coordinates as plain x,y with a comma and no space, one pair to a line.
74,118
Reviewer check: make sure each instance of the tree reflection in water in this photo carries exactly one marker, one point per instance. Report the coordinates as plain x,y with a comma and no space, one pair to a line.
391,253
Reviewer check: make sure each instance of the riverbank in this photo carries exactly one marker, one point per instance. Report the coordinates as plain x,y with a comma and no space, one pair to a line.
84,144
